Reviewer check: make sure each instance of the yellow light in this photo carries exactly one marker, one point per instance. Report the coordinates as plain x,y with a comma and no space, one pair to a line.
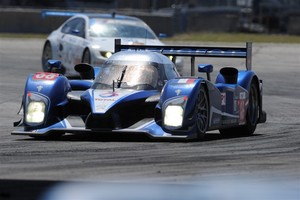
106,54
171,58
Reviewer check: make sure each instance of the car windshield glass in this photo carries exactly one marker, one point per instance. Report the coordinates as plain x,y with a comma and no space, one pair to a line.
119,28
127,77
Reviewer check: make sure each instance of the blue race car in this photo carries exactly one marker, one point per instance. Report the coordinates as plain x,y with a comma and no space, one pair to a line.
138,90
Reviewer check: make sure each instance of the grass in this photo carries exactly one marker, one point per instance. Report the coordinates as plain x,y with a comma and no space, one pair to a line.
236,37
203,37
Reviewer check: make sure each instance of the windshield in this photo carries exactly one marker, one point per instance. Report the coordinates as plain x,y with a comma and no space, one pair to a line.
119,28
139,77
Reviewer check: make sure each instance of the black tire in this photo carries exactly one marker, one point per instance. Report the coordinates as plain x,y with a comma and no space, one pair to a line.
202,112
251,116
47,55
86,57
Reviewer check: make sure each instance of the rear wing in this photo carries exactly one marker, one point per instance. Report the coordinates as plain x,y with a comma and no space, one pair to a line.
194,51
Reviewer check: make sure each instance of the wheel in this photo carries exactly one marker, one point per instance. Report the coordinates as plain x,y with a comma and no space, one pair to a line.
47,55
251,116
86,57
202,113
253,110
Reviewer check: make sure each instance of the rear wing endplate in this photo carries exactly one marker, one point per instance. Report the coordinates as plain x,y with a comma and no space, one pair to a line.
193,51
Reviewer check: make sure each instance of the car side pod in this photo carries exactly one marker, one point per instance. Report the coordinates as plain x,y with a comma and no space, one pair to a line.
85,71
205,68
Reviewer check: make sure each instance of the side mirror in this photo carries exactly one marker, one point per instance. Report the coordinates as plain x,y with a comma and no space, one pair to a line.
205,68
162,35
75,31
85,71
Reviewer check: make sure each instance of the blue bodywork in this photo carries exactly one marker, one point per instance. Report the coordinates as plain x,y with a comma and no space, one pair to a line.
118,108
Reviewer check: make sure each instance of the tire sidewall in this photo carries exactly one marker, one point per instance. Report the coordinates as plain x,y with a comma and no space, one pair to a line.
251,124
201,133
47,47
85,54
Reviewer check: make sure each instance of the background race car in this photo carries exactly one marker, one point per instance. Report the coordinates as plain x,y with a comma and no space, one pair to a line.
89,38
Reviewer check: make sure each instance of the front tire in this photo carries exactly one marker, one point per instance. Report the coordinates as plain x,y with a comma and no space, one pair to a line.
251,115
46,55
202,113
86,57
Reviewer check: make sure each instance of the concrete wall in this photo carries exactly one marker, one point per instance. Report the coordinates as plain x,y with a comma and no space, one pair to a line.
170,23
31,21
27,21
217,22
293,26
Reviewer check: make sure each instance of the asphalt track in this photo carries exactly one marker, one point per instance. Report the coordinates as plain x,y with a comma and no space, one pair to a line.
272,153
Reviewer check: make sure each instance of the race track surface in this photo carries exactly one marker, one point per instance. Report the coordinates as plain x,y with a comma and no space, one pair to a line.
272,153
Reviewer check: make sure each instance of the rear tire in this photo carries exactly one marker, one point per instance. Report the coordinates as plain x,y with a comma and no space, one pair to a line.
251,116
46,55
202,113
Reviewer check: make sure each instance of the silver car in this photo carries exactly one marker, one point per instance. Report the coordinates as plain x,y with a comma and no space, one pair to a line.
89,38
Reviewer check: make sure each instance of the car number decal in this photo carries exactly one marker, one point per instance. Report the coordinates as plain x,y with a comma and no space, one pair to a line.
44,76
186,81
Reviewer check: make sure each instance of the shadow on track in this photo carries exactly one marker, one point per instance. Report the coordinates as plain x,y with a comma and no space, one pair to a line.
133,137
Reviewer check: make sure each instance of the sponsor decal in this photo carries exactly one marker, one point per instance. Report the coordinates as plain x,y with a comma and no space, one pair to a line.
100,99
108,94
44,76
105,99
178,92
39,88
241,104
243,95
186,81
223,99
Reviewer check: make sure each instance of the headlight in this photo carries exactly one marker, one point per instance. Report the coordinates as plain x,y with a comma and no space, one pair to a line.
171,58
173,116
35,112
106,54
